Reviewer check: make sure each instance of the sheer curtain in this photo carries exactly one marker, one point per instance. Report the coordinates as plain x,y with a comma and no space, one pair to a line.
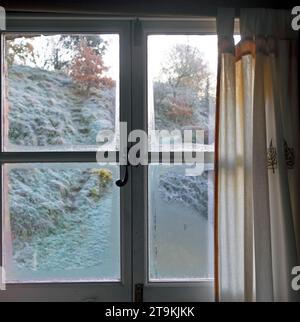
258,157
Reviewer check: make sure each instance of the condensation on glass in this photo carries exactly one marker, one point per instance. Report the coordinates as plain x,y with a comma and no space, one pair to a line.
180,223
60,91
61,223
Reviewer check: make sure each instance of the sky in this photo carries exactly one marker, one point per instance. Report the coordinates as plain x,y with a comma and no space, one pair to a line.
160,45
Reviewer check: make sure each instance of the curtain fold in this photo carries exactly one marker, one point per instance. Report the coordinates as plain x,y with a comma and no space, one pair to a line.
258,151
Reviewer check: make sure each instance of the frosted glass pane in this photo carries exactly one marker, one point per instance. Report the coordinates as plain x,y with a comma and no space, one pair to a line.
182,84
61,222
180,225
60,91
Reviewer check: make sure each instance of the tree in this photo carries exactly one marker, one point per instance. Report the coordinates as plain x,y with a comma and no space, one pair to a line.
93,41
185,67
88,69
182,93
23,51
206,98
68,46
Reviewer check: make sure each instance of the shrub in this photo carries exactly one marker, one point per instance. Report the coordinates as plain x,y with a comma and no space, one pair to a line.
105,176
180,112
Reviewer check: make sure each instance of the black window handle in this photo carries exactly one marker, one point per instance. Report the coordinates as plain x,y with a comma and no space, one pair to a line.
122,182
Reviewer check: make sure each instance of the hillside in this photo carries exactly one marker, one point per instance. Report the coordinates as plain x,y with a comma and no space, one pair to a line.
48,109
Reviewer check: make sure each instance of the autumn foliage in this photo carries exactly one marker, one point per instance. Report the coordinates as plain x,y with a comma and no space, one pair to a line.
180,112
87,69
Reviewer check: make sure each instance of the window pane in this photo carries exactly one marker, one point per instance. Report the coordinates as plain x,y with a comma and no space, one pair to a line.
61,222
180,223
60,91
182,85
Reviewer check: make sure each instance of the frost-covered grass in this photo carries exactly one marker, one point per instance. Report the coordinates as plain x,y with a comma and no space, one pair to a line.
47,108
56,222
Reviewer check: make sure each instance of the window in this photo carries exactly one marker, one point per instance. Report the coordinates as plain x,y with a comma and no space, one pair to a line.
181,96
68,231
181,83
177,228
71,91
64,221
180,224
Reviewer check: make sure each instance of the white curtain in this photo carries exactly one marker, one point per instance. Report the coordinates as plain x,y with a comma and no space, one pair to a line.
258,157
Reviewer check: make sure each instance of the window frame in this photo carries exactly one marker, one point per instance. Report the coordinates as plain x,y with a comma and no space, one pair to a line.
68,290
133,97
201,290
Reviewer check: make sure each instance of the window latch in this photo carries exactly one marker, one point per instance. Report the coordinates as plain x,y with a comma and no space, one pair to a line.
139,293
122,182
